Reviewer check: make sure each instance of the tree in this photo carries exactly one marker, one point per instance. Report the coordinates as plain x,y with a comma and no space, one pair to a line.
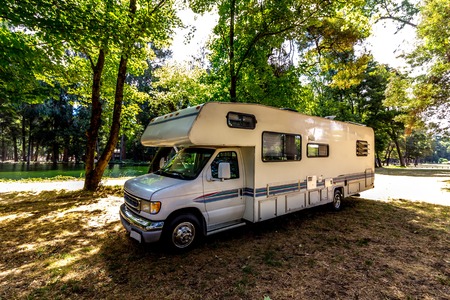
103,32
256,41
402,12
418,145
432,88
180,86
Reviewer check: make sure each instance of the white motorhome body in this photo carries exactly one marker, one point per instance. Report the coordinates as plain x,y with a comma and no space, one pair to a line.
243,163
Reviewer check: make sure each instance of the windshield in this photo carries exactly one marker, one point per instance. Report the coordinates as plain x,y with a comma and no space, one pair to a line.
187,163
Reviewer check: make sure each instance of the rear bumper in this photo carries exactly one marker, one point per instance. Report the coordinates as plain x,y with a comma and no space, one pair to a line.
149,231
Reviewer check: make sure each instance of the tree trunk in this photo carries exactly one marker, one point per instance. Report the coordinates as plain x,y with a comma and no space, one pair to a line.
36,152
30,142
378,160
122,148
94,175
399,152
95,122
55,152
387,157
66,153
16,152
233,76
3,145
24,133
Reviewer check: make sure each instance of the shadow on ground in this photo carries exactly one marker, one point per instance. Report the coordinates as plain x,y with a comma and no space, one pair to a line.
72,246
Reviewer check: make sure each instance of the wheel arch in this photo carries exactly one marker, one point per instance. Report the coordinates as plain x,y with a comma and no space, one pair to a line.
192,211
340,189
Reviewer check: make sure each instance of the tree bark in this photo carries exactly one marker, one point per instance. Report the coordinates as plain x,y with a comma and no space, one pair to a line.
3,144
95,122
16,152
24,133
233,76
94,176
397,147
123,154
66,153
30,144
55,152
92,182
399,152
387,156
36,151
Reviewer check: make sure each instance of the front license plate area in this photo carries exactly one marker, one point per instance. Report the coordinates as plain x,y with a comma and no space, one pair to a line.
135,235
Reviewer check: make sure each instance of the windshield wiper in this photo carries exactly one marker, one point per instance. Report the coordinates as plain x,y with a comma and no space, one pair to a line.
173,173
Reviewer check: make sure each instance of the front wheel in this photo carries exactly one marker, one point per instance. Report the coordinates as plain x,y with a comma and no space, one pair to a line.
182,233
337,199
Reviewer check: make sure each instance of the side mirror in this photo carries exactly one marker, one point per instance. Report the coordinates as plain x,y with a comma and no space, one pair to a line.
162,162
224,170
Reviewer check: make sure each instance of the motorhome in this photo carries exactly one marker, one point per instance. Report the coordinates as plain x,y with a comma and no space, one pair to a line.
238,163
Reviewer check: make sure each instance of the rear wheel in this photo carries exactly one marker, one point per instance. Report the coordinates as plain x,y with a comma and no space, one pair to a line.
182,233
337,199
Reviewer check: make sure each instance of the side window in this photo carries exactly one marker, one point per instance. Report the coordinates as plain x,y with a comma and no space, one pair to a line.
229,157
240,120
317,150
362,148
281,146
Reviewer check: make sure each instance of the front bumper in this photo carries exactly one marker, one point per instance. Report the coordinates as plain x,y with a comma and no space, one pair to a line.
149,231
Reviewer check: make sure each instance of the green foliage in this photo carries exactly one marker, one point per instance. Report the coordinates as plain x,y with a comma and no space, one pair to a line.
22,64
255,43
97,42
179,87
289,53
442,161
431,89
402,12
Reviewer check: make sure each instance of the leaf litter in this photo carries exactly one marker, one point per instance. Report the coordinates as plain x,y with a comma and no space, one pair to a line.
71,245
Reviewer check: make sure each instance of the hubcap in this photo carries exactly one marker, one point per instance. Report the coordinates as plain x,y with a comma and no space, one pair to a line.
183,234
337,200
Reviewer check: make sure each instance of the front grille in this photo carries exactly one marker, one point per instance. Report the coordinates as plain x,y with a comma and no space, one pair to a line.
132,201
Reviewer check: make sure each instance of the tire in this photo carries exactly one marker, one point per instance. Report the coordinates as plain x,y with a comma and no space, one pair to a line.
337,200
182,233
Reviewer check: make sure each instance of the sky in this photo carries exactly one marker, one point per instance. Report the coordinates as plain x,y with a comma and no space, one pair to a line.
385,45
203,24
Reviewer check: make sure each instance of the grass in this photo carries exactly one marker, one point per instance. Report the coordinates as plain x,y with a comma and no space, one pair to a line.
71,245
434,171
13,172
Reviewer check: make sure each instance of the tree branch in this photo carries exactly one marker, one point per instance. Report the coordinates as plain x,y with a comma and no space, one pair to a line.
397,19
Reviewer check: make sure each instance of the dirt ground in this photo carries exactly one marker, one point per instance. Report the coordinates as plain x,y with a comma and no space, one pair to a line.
71,245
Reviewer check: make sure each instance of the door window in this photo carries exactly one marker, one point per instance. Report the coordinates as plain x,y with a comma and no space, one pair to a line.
229,157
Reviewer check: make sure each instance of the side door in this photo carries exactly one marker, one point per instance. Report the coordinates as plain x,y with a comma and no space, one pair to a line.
223,198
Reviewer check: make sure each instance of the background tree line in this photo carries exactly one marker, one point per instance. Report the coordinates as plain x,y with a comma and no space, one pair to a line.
82,78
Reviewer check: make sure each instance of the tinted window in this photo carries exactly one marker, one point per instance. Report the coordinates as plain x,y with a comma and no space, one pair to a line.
317,150
187,163
281,146
240,120
229,157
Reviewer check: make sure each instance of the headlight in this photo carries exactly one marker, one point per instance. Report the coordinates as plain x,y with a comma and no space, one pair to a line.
151,207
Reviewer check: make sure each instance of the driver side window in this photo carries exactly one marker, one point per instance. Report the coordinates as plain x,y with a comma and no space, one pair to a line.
229,157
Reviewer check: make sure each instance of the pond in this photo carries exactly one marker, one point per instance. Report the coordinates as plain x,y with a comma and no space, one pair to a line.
18,171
